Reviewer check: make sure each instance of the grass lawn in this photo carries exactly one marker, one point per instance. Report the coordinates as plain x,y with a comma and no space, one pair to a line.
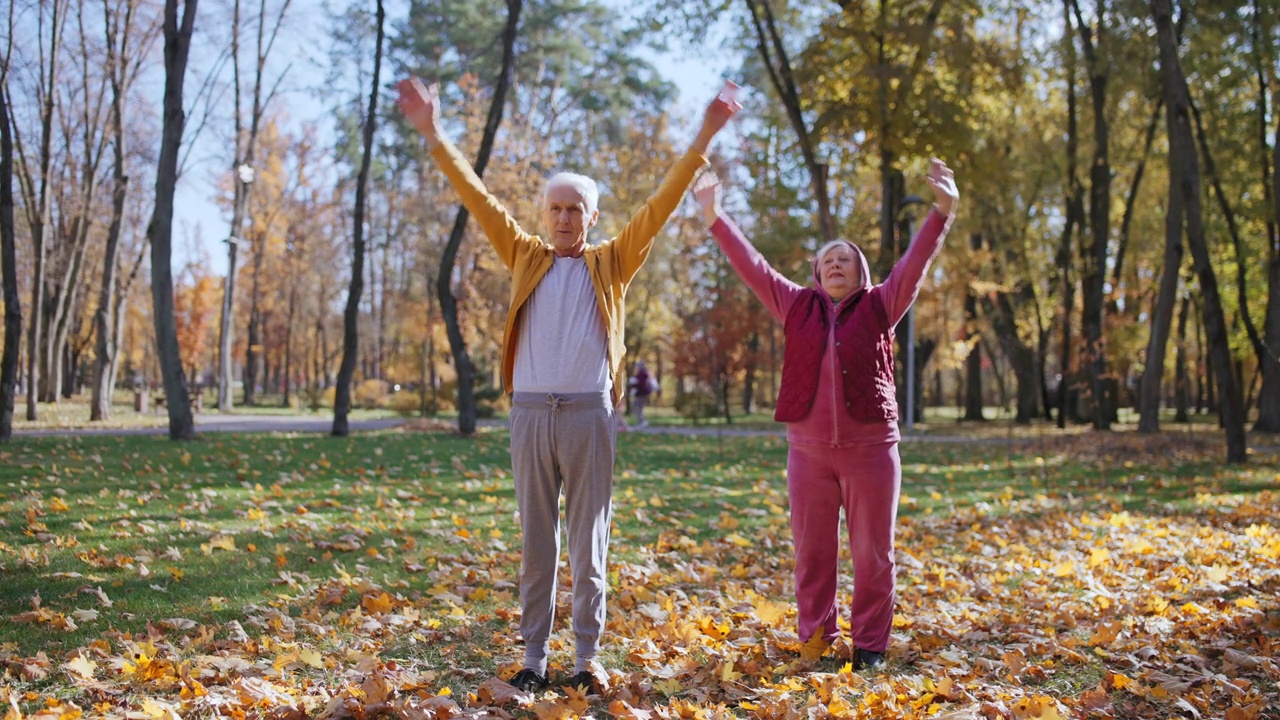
1039,575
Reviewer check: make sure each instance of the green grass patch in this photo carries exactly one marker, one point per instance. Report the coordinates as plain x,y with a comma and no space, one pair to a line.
114,539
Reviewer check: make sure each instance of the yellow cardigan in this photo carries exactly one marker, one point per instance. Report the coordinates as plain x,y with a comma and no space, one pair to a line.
612,264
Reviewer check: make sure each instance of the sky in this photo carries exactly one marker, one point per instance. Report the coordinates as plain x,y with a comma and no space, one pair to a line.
200,225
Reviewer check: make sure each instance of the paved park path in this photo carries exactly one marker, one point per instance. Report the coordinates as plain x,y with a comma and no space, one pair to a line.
211,422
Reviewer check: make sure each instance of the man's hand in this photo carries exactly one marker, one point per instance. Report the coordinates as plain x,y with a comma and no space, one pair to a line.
707,192
943,182
718,113
421,106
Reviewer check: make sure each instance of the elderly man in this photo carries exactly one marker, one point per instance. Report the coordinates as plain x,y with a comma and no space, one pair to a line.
562,362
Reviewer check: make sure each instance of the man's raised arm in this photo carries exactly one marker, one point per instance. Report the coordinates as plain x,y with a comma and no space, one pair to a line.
421,107
636,239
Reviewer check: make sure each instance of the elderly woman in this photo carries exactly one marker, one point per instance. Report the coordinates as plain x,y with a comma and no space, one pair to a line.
837,399
562,363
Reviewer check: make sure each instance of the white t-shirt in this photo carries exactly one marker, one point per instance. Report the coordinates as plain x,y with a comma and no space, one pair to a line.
560,346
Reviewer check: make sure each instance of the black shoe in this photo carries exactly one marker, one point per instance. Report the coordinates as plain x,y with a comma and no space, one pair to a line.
584,681
867,660
528,681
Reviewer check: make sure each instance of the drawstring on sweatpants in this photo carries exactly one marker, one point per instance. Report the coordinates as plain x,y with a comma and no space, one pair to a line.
555,401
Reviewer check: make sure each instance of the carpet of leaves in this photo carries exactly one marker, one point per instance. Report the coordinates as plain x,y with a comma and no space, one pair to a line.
1057,603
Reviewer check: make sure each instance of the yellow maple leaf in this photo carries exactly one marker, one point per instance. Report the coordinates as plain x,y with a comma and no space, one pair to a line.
379,604
839,707
1106,633
945,688
283,661
669,686
1120,681
769,612
1250,712
218,542
1217,573
58,505
713,629
1098,556
81,666
159,710
1064,569
1247,602
620,709
814,647
57,711
311,657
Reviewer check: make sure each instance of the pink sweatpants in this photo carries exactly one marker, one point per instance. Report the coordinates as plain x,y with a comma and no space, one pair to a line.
865,481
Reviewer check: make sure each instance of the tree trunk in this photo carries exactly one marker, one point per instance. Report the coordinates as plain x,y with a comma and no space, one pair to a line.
225,327
252,355
749,377
1180,132
1074,218
1162,317
1242,295
444,287
973,363
106,319
924,350
9,265
242,176
351,315
1131,203
288,346
177,46
1095,260
778,64
1020,355
1269,395
1182,383
60,304
41,220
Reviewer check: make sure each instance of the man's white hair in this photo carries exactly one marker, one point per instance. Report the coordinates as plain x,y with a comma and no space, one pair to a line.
585,186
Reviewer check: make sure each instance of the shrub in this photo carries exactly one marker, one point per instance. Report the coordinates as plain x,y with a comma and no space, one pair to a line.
371,394
696,404
406,402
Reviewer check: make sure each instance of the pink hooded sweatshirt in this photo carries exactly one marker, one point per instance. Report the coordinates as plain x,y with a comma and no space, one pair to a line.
829,421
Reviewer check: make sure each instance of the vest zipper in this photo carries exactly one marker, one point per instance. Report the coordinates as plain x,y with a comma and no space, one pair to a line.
837,382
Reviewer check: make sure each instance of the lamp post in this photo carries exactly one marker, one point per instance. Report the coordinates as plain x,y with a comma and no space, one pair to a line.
908,219
244,178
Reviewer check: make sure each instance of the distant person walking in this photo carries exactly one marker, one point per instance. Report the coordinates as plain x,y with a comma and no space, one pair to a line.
837,399
562,363
643,386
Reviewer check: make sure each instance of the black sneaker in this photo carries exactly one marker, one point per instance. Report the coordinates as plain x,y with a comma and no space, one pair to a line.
584,681
867,659
528,681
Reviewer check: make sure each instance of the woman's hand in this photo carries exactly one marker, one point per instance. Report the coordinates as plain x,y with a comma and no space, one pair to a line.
707,192
943,182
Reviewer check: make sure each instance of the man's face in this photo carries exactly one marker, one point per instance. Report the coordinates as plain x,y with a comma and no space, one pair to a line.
566,218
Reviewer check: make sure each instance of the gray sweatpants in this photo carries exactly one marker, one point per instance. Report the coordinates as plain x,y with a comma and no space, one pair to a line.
563,443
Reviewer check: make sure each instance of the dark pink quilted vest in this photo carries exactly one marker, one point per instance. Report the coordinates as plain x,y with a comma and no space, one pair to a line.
864,346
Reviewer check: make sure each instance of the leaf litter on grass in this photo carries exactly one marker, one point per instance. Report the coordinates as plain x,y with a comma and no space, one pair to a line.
389,596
